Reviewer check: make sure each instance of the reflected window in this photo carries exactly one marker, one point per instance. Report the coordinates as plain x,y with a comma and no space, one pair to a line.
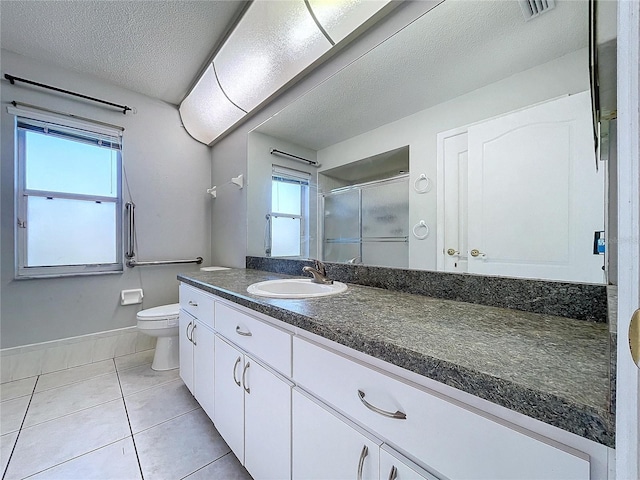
69,200
289,215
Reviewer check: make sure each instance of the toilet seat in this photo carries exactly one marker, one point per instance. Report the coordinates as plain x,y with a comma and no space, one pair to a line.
163,312
164,316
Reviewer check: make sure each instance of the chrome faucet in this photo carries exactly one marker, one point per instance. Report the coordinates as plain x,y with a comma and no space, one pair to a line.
319,273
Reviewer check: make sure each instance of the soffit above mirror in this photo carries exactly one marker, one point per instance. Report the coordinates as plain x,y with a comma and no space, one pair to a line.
429,66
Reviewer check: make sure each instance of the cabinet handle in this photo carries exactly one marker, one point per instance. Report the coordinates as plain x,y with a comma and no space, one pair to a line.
393,474
188,337
363,455
235,365
240,332
192,303
193,330
244,380
399,415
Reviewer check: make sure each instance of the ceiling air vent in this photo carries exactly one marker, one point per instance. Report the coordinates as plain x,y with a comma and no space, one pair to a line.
533,8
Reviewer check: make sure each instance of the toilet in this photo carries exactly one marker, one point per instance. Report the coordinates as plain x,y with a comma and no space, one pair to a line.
162,322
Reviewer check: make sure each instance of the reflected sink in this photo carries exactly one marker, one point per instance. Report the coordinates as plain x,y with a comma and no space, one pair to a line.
295,288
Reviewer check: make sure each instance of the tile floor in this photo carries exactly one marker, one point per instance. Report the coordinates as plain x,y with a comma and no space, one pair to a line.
115,419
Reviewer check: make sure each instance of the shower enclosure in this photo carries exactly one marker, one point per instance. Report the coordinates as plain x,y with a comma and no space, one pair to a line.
368,223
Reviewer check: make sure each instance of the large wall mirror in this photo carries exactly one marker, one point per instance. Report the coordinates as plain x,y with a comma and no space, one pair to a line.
463,143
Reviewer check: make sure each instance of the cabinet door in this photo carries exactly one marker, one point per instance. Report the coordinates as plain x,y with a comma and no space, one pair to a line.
394,466
229,395
203,357
186,323
325,446
267,423
442,435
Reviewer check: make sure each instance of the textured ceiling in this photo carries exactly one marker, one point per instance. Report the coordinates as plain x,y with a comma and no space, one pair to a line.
459,46
153,47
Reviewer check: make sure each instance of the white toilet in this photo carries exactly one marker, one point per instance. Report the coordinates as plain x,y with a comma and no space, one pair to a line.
162,322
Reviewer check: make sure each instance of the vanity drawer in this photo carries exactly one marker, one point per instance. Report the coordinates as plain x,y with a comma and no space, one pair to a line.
267,342
444,436
198,303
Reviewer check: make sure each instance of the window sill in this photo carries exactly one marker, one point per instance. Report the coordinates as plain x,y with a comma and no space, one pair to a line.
64,275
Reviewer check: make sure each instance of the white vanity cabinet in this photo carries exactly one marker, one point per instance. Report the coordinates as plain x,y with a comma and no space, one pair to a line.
197,345
326,446
446,437
290,407
252,401
395,467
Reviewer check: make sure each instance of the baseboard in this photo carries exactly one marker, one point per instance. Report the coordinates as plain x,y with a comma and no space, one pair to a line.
29,360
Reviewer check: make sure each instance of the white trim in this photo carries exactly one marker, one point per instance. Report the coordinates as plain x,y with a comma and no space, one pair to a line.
628,375
440,223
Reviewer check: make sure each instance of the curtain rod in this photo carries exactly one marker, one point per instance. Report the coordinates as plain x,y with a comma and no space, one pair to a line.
274,151
13,79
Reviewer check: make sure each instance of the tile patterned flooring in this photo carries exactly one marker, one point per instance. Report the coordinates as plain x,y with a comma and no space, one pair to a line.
112,420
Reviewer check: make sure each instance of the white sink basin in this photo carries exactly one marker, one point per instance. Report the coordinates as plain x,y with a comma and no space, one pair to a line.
295,288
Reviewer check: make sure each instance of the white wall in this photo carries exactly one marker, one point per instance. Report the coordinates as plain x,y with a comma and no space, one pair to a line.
565,75
168,173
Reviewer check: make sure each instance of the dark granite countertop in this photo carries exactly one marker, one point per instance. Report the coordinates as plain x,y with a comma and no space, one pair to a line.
551,368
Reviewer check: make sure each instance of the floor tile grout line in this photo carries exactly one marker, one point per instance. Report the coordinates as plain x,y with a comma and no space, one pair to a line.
133,366
75,458
205,466
15,443
70,413
74,382
151,387
126,411
168,420
146,390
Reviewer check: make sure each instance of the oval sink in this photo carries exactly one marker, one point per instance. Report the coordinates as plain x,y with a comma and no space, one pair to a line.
295,288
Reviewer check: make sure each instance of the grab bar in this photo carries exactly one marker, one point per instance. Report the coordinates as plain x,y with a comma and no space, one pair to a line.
131,228
133,263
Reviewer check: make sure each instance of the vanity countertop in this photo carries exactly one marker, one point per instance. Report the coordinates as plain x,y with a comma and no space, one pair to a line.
551,368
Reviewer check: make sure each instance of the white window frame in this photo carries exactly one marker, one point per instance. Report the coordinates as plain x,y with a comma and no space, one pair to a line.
304,179
93,130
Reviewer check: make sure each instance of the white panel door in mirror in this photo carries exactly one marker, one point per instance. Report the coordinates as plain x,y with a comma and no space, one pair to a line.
535,198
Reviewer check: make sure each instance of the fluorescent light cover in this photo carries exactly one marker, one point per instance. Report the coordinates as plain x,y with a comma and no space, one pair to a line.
341,17
273,42
206,112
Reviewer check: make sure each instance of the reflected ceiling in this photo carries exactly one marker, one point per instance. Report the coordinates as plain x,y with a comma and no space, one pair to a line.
459,47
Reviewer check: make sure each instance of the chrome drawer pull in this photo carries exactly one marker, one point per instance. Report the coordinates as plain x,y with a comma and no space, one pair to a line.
240,332
235,365
399,415
193,330
192,303
393,474
244,381
363,455
188,337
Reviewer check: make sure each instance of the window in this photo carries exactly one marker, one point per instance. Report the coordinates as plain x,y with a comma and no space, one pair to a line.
289,213
69,213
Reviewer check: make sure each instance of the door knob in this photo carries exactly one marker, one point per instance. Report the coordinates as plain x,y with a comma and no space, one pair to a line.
477,253
634,337
452,252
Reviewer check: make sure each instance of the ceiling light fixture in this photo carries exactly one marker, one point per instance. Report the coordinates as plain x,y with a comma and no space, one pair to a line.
272,44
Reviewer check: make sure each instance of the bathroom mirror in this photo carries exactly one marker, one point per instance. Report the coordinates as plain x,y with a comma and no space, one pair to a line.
417,113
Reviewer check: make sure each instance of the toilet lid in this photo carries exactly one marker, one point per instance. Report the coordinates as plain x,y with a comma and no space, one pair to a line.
163,312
